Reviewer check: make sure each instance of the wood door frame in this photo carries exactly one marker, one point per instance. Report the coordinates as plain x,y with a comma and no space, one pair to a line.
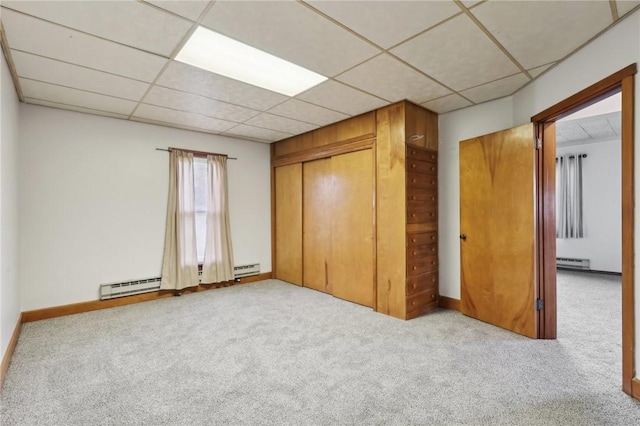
621,81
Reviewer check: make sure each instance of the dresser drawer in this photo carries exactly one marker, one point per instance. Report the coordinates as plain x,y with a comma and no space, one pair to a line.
418,252
422,195
423,282
421,180
422,154
421,213
418,166
421,239
422,303
420,265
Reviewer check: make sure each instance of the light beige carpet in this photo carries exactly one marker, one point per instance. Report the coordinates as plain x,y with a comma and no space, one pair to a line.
274,353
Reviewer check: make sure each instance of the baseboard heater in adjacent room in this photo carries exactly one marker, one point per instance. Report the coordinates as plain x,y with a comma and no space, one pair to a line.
128,288
572,263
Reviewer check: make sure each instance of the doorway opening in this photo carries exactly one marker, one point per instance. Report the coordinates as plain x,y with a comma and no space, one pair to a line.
623,82
589,238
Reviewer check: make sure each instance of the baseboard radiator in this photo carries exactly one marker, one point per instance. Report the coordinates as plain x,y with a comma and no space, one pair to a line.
572,263
128,288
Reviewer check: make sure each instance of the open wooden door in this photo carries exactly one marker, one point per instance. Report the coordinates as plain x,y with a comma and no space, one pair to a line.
497,227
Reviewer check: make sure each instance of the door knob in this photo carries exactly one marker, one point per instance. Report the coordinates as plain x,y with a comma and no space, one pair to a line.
463,237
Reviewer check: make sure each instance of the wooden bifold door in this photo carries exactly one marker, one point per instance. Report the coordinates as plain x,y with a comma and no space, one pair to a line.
333,200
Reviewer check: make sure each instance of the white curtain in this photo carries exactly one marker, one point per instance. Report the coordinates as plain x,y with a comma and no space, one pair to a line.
180,262
218,251
569,221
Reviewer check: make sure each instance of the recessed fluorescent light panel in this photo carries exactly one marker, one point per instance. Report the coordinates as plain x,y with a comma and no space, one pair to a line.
214,52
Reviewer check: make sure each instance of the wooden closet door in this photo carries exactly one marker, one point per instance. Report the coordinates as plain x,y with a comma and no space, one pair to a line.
352,246
288,200
316,236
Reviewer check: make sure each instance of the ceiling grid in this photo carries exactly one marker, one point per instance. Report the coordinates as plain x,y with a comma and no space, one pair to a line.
117,58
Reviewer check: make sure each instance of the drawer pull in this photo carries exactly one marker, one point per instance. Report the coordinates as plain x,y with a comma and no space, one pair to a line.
433,296
415,267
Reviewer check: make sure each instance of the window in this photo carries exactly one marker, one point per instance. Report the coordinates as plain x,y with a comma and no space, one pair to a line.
201,187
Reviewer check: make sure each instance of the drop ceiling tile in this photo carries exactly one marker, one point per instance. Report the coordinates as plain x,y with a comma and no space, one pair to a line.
562,27
496,89
188,102
365,17
198,81
280,124
458,54
52,93
303,111
132,23
598,128
570,131
392,80
53,41
256,133
296,33
51,71
172,116
535,72
74,108
470,3
626,6
447,103
339,97
615,121
190,9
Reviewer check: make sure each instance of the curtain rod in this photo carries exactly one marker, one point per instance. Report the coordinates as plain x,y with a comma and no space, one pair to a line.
196,152
579,155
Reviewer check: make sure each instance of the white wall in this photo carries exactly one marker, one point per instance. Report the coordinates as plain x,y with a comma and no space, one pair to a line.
9,290
602,207
93,193
453,128
614,50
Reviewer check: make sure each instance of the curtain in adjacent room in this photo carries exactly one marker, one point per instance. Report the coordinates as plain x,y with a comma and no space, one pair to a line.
218,251
569,220
180,263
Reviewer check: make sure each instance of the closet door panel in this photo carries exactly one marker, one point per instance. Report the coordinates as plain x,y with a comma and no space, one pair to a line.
316,237
351,268
288,212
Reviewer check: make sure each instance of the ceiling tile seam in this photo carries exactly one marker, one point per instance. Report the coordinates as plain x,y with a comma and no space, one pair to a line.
246,138
339,24
295,119
426,30
559,61
188,112
491,81
274,130
79,90
614,10
122,116
257,127
174,52
87,34
174,125
80,66
495,41
4,45
168,12
338,82
316,105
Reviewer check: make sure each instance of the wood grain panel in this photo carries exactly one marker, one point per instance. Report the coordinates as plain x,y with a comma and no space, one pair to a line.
448,303
421,303
424,282
418,252
422,239
352,246
288,206
421,180
422,154
325,151
414,165
420,265
420,121
317,197
497,217
350,130
421,212
360,127
391,211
